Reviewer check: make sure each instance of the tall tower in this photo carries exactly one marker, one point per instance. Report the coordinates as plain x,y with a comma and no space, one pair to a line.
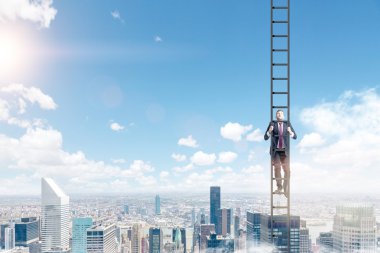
158,205
354,229
224,222
214,204
155,240
79,234
55,217
101,239
135,240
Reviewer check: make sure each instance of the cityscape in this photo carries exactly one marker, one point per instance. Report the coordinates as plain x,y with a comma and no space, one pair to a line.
215,222
200,126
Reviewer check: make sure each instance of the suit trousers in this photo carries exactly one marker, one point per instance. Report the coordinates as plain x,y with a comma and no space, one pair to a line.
281,160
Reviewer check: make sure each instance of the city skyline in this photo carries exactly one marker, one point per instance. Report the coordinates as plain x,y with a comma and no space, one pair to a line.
169,97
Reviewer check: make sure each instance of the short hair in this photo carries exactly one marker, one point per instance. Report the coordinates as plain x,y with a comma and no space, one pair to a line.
279,110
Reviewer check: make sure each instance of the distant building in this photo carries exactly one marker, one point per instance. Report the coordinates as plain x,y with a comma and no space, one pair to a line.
214,204
305,241
253,230
158,205
325,242
101,239
206,230
223,226
79,234
236,226
126,209
55,217
27,231
218,243
2,235
9,238
354,229
155,240
135,240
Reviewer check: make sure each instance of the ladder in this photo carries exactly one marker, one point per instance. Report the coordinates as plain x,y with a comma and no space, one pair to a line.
280,99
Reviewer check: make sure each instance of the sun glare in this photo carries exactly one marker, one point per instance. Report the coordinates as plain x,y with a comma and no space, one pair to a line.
15,53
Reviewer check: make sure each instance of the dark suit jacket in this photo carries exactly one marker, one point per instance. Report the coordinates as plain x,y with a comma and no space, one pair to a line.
275,136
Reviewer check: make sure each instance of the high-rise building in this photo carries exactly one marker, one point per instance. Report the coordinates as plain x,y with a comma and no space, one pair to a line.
9,238
101,239
325,242
158,205
192,217
27,231
259,232
206,230
155,240
189,240
126,209
214,204
223,224
219,243
2,235
354,229
55,217
236,226
135,240
79,234
305,242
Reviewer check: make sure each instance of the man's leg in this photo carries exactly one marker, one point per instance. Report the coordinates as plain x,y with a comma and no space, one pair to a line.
277,170
285,166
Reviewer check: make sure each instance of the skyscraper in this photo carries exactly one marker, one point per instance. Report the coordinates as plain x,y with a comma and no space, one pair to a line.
253,230
354,229
135,240
325,242
55,217
79,234
101,239
9,238
223,226
214,204
27,231
2,235
158,205
155,240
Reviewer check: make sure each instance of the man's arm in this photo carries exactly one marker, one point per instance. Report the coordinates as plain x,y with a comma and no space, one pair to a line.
268,132
291,131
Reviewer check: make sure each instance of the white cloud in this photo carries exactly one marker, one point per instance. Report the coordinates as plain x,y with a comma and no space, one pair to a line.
164,175
119,161
253,169
251,155
311,140
31,94
234,131
179,157
116,127
157,39
219,169
116,15
188,142
203,159
183,168
38,11
227,157
255,135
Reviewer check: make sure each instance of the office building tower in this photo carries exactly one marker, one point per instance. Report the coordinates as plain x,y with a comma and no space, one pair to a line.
236,226
55,217
325,242
27,231
354,229
135,240
203,219
206,230
305,242
219,243
126,209
2,234
259,232
189,240
101,239
223,225
214,204
79,234
9,238
158,205
253,230
192,217
155,240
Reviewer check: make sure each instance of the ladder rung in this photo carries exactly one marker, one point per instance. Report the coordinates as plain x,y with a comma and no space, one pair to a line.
280,92
279,36
280,7
279,178
280,21
278,193
280,64
280,50
280,78
280,207
280,149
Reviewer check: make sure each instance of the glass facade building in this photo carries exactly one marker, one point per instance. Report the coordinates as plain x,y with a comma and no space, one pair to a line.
79,234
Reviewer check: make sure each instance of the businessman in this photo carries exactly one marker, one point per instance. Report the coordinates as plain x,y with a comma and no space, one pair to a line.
279,131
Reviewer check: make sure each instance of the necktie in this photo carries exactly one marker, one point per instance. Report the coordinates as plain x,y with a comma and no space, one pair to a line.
281,137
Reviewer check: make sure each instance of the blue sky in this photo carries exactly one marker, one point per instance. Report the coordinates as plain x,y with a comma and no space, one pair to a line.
162,71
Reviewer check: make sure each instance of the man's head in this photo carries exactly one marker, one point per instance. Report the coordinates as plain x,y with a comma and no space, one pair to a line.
280,115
